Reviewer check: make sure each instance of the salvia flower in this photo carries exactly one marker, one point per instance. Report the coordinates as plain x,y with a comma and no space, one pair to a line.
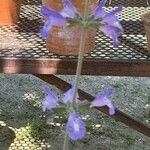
53,19
103,100
68,96
50,101
99,11
57,18
75,126
69,11
110,25
107,22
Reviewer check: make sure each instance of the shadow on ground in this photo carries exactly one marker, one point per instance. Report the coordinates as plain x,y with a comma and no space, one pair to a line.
23,125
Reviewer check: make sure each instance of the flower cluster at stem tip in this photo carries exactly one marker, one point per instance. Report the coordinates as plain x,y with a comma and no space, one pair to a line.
75,126
107,22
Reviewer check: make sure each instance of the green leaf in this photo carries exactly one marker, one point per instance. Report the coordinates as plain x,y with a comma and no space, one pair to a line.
59,110
84,106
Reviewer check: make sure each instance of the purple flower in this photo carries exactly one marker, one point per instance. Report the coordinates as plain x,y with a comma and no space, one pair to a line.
69,11
102,100
112,32
111,18
53,19
75,126
99,11
68,96
69,15
57,18
110,24
50,100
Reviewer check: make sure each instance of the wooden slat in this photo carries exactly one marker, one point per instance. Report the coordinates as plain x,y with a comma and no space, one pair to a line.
68,66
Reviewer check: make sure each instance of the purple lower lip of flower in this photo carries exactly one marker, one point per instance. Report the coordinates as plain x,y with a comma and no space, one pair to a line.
112,110
102,100
75,126
50,101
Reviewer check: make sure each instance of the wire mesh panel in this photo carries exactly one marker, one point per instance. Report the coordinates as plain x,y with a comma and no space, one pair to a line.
23,40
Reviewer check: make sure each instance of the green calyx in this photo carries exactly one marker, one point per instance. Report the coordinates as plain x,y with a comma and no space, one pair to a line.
90,22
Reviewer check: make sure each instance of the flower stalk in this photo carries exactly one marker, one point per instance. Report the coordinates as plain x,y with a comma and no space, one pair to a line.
81,54
65,146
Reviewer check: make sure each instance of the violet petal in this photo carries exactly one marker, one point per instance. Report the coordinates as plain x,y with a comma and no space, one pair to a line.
112,32
53,19
111,17
46,28
50,100
99,11
68,96
75,126
69,11
102,100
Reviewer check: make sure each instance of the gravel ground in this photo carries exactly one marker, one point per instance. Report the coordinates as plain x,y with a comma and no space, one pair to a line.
22,125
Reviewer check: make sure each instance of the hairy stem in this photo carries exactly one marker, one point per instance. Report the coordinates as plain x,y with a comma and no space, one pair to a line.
110,1
81,53
65,146
79,65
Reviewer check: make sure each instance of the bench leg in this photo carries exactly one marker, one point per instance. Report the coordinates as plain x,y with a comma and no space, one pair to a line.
119,116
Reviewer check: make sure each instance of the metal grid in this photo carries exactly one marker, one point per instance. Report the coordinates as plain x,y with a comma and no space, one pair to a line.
130,3
23,40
